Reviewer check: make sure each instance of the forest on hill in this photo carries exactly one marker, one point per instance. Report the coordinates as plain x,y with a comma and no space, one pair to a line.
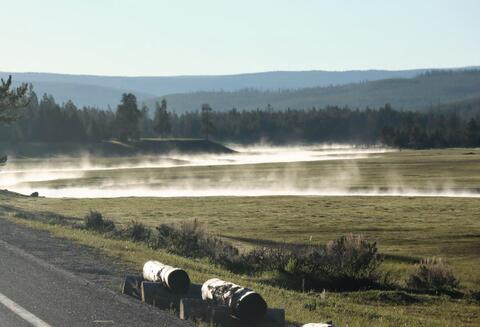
427,90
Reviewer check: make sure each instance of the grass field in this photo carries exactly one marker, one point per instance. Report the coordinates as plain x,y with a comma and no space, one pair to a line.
406,228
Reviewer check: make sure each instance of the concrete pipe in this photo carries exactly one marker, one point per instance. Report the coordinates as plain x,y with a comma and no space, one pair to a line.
243,303
174,279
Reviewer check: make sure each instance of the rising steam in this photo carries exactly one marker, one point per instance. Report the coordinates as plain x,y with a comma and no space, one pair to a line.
253,171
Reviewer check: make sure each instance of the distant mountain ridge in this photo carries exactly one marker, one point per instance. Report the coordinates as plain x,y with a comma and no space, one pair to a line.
104,91
423,91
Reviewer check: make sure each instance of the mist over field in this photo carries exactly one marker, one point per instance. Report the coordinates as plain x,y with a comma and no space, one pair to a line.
260,170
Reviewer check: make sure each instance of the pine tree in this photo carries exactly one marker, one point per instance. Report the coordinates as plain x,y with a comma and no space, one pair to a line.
207,126
11,99
161,121
127,117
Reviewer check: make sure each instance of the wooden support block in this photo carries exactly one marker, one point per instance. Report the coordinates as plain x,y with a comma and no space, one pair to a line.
219,315
275,317
194,292
197,309
156,294
131,286
193,309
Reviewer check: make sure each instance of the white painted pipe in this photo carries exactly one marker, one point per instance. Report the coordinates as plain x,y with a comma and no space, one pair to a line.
243,303
175,279
319,325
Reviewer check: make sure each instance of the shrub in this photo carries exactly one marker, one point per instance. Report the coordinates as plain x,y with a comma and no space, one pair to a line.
434,274
223,253
351,257
190,239
137,232
94,221
281,257
182,239
349,262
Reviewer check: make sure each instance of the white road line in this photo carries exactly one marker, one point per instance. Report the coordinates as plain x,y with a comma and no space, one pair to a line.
23,313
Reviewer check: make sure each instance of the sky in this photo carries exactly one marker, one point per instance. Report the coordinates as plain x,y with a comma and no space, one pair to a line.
215,37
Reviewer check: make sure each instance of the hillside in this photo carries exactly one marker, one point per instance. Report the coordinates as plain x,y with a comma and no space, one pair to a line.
102,91
402,93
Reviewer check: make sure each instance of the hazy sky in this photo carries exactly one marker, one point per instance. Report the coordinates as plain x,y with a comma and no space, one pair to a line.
155,37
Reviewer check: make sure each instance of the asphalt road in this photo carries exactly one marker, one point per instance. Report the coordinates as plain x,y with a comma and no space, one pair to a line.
9,318
36,293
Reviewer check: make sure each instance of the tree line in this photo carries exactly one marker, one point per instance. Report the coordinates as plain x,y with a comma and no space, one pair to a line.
402,129
44,120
